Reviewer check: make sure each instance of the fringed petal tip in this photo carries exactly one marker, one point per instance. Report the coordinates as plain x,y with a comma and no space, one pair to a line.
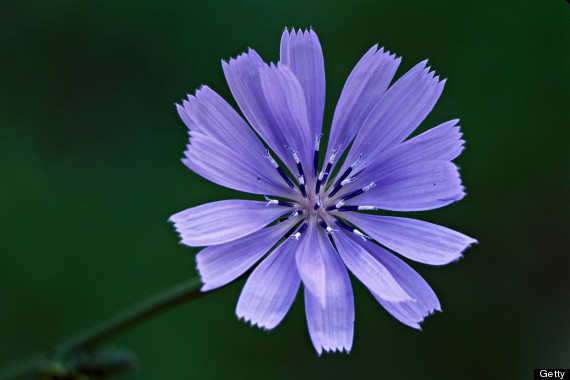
421,319
411,314
241,57
299,31
429,73
207,287
176,222
344,349
255,323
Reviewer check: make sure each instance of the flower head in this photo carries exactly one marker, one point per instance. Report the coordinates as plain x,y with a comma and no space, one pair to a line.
310,224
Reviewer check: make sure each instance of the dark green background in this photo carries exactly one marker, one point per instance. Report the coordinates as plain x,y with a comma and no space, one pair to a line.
90,149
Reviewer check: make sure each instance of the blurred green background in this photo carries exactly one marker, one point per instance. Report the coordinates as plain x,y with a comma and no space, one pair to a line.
90,147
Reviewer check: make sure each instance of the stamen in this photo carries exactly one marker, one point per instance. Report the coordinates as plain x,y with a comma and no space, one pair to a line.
318,204
358,192
327,229
338,205
364,237
330,164
279,170
339,186
301,175
353,230
349,170
278,202
325,172
357,208
347,181
295,213
316,154
295,155
322,175
301,180
300,231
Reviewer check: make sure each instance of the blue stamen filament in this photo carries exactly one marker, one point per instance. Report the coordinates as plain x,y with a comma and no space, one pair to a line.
300,231
301,175
280,170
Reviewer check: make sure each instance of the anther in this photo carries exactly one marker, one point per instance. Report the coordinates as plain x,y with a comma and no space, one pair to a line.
358,192
349,170
357,208
327,229
278,202
316,153
301,180
320,179
294,153
300,231
336,206
340,185
271,201
301,175
364,237
347,181
353,230
279,170
318,204
295,213
325,172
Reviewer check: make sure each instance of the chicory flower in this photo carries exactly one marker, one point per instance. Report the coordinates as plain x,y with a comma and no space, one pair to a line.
310,228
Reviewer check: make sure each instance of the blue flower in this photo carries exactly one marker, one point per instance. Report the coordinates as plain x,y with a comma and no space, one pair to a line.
319,232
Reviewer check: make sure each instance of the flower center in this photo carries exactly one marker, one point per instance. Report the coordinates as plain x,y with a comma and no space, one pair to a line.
315,204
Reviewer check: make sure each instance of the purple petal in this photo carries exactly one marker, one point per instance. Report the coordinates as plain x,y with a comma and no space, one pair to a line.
404,106
271,288
286,102
222,165
440,143
311,257
363,89
223,263
331,323
209,114
367,269
243,77
423,186
424,301
301,52
415,239
223,221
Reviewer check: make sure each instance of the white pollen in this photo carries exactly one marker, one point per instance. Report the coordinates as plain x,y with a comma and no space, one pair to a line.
271,201
347,181
273,162
333,155
293,215
357,162
294,152
366,188
364,237
318,141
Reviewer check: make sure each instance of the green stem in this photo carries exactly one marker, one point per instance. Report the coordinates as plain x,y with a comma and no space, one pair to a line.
157,304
